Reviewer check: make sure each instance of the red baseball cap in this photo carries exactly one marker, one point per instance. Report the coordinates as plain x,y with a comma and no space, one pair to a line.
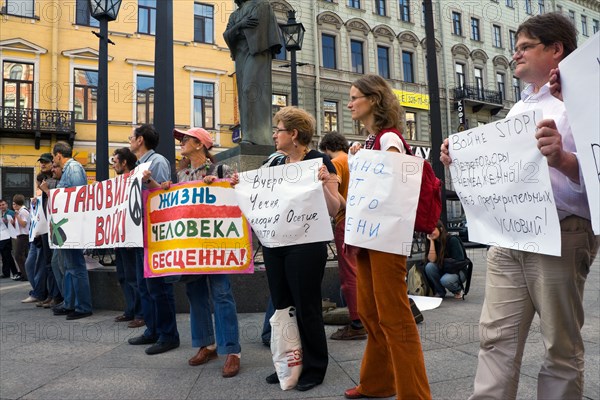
199,133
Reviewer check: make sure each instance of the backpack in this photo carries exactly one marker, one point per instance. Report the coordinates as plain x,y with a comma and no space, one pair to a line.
417,281
429,207
468,270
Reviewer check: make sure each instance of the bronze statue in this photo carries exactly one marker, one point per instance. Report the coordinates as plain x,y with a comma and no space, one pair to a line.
253,37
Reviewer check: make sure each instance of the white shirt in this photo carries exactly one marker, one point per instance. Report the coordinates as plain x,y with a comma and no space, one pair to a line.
390,139
570,198
24,215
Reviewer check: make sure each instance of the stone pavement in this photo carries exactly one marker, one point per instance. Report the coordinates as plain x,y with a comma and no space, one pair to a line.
47,357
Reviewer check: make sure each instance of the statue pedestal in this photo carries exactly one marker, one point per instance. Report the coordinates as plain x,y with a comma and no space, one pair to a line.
245,156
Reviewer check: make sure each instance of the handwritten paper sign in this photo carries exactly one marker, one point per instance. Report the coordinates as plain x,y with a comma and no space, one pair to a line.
39,223
5,233
579,73
195,228
503,183
383,194
106,214
285,204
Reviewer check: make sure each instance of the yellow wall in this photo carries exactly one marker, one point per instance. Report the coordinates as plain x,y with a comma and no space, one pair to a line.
56,32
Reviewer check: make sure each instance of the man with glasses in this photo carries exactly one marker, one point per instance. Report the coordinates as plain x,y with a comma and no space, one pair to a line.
520,284
158,301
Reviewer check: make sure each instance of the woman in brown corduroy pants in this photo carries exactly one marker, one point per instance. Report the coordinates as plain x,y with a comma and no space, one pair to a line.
393,362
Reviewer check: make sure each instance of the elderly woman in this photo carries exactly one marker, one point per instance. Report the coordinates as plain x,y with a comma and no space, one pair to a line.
295,272
393,362
195,146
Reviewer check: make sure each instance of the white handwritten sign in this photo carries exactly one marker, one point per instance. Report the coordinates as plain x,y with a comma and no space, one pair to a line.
39,223
285,204
106,214
503,183
382,200
579,75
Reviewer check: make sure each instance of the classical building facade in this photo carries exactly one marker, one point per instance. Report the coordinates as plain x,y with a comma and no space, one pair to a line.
49,62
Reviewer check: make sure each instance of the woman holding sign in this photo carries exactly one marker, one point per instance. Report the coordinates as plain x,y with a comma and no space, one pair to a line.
393,362
195,146
295,272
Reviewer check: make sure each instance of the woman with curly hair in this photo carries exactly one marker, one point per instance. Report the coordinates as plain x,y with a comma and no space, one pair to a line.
393,362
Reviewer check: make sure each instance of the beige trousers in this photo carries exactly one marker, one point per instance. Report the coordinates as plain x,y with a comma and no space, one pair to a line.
520,284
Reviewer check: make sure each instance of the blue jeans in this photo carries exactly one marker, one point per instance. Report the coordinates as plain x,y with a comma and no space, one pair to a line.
442,281
58,269
35,265
77,285
226,322
158,304
125,260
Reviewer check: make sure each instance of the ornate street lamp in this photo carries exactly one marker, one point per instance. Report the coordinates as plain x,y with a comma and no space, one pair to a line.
293,35
103,11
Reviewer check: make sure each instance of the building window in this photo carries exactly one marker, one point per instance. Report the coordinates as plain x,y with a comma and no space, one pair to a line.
595,26
460,75
479,82
144,99
497,36
22,8
383,61
329,53
516,83
83,16
204,105
510,3
512,37
475,34
85,94
584,28
528,7
411,126
380,7
278,102
404,10
501,85
330,116
407,67
456,24
356,50
17,85
354,3
572,16
147,16
541,6
203,23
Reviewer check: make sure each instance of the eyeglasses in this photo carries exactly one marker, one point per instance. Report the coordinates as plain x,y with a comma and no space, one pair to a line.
520,50
184,139
277,130
354,98
131,137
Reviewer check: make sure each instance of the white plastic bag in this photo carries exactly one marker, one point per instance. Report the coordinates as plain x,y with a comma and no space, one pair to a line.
286,347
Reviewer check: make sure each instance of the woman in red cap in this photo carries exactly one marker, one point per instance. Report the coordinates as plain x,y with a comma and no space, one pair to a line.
195,146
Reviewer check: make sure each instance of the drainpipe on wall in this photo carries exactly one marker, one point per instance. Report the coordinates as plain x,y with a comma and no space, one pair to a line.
445,70
54,60
317,64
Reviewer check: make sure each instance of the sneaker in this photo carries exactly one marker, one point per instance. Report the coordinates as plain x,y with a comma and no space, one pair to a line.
30,299
349,333
16,277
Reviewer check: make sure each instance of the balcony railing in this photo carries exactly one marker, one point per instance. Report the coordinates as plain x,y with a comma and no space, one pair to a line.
40,123
478,94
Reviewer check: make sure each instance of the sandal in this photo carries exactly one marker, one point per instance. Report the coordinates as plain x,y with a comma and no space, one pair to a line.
460,295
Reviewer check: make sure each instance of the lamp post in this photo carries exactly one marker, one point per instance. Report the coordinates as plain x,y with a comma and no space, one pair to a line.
103,11
293,35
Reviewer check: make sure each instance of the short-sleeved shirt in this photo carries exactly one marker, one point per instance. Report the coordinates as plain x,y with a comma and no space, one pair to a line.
343,172
159,167
24,215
